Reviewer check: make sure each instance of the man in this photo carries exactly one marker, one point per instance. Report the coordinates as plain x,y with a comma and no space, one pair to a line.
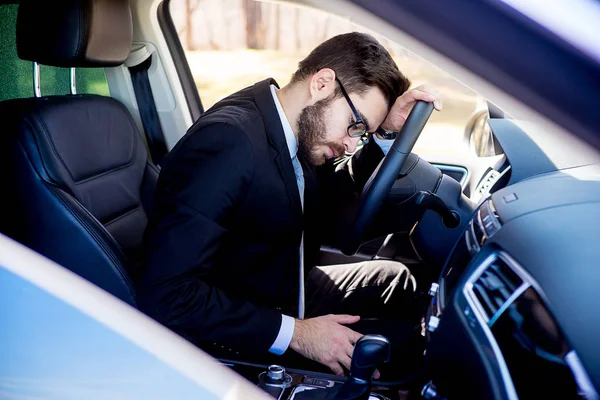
240,192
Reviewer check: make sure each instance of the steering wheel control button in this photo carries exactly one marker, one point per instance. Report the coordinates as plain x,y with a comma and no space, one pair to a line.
434,289
433,323
509,198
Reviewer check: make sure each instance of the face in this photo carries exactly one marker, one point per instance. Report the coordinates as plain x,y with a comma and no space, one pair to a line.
322,126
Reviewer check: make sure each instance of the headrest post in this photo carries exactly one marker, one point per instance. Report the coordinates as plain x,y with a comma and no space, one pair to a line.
73,81
37,86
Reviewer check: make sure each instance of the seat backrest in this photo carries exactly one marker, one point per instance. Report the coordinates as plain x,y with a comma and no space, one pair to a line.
79,182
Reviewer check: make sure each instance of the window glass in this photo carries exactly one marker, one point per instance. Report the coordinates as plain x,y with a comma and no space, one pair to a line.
52,350
92,81
231,44
16,75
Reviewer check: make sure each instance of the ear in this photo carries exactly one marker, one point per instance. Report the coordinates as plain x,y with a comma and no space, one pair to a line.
322,85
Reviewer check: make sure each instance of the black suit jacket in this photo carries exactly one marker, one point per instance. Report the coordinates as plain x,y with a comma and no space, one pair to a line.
222,247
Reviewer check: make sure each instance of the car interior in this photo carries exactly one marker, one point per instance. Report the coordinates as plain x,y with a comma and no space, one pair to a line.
504,246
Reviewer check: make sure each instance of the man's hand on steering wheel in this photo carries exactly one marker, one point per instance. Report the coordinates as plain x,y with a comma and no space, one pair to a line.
404,104
408,117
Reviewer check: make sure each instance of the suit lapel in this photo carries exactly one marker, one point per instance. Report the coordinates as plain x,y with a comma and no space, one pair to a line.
276,137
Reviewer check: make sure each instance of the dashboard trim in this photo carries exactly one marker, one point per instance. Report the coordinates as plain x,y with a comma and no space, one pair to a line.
455,168
579,373
483,324
581,376
489,225
481,197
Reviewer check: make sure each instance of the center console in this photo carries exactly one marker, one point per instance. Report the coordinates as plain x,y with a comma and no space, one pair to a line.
288,384
370,351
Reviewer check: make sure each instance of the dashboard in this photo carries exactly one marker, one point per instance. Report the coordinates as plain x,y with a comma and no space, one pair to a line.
513,313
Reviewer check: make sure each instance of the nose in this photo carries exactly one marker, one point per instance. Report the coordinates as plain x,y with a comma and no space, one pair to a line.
350,144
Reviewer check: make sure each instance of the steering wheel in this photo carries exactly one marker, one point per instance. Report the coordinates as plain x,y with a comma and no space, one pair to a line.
381,181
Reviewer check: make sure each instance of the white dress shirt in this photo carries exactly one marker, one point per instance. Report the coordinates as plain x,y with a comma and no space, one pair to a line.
286,331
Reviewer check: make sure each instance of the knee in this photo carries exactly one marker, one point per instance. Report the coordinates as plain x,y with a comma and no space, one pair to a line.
398,274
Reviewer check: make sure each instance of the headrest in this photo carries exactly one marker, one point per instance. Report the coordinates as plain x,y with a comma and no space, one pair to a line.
74,33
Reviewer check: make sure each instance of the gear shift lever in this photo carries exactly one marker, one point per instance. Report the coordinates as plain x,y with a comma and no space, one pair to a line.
369,352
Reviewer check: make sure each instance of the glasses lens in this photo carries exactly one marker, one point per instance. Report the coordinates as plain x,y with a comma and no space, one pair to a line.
357,129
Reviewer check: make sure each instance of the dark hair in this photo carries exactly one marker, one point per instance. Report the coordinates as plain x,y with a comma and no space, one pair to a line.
360,63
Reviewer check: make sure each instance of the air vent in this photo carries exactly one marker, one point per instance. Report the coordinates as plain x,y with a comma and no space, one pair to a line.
495,286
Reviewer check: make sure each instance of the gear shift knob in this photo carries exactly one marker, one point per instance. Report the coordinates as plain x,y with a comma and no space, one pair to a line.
369,352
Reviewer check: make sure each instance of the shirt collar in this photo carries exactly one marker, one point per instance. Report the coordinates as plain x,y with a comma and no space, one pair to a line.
290,138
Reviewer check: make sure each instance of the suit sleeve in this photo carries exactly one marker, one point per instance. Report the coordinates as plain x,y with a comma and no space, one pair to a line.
202,182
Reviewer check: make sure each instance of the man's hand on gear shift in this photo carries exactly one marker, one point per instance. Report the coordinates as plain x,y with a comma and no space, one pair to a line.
326,340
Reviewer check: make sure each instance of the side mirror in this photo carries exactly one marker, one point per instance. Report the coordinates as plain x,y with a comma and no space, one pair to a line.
478,135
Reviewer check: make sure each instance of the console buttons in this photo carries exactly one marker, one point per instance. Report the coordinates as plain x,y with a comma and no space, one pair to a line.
433,289
433,323
274,376
325,383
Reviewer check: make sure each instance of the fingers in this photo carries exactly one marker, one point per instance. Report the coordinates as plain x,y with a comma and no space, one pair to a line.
377,374
428,89
422,95
344,354
428,94
327,341
344,318
336,368
349,349
343,361
346,361
354,336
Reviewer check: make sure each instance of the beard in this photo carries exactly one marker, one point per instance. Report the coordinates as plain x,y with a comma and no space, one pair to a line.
312,132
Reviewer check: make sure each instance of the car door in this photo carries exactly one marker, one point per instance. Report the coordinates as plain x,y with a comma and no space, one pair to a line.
64,338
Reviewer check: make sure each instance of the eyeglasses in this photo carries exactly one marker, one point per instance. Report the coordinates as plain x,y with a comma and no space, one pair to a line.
357,129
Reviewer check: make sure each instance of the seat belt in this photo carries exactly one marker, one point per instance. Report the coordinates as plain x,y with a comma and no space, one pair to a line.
147,108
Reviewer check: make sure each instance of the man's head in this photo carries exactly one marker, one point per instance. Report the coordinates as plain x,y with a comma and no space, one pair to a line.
357,63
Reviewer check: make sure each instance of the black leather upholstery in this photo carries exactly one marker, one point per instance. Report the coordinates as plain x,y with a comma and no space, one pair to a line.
74,33
78,180
79,185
